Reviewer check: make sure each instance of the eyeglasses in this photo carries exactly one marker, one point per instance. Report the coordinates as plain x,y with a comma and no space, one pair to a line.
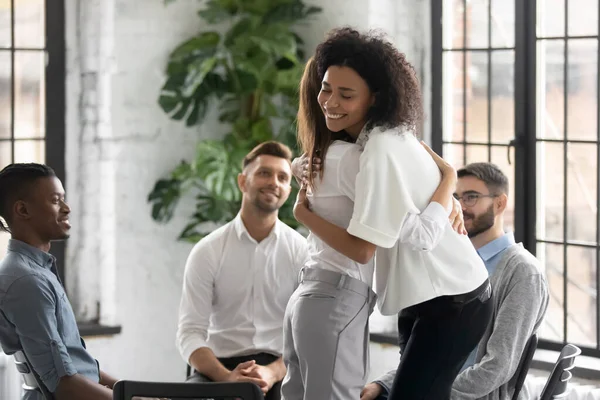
471,199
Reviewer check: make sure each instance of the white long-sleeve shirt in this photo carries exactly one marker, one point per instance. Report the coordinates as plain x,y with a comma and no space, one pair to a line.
235,290
333,200
397,177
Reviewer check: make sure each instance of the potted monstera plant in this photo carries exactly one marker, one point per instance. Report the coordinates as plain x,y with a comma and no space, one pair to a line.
251,72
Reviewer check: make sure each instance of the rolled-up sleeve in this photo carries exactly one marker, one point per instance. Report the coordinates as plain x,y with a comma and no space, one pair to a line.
30,305
196,300
424,231
382,199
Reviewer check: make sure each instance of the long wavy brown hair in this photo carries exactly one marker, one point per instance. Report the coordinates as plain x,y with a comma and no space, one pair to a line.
313,136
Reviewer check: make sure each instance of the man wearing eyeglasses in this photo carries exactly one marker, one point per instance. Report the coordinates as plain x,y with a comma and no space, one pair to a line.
519,286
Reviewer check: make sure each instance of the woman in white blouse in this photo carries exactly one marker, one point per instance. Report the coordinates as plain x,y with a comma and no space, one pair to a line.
425,271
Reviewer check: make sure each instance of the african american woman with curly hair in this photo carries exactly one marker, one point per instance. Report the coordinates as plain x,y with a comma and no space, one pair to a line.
400,197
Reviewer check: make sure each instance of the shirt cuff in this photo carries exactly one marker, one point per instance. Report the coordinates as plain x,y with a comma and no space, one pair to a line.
385,389
190,345
369,234
436,212
63,366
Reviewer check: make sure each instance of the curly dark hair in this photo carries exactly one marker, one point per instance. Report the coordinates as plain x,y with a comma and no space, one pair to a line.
384,68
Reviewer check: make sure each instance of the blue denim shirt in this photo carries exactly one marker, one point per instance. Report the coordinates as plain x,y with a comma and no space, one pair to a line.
36,317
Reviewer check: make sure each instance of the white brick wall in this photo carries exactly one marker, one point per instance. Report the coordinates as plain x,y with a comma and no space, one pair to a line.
119,142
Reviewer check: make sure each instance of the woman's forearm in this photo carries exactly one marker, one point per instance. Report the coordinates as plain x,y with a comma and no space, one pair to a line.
337,238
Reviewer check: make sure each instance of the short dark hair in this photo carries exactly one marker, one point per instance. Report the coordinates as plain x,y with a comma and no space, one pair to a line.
15,181
489,173
270,148
387,72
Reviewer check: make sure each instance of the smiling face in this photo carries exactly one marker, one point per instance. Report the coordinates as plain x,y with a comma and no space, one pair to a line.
266,183
44,210
478,205
345,99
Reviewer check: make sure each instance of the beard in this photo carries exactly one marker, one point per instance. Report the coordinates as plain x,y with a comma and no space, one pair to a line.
481,223
264,206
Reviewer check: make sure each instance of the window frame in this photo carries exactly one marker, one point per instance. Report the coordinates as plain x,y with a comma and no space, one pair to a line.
525,140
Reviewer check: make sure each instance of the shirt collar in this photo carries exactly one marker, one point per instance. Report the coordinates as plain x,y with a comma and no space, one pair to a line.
364,134
240,228
496,246
43,259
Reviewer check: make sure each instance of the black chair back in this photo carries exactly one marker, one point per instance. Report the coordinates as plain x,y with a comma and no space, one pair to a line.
126,390
556,386
31,380
524,364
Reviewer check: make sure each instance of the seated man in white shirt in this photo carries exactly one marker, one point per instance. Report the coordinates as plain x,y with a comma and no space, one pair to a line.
520,291
238,280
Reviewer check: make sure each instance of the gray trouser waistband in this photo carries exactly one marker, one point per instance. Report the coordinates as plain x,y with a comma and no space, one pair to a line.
336,279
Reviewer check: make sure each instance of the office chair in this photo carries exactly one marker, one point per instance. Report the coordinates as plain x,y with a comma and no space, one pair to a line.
556,386
126,390
524,364
31,380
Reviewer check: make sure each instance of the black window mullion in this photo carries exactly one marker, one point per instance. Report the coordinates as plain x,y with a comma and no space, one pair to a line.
598,186
489,82
565,172
464,82
56,104
12,80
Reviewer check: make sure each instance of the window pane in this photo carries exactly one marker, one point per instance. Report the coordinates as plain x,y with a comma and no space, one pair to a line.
503,23
550,18
582,102
454,154
550,185
583,17
29,23
30,151
452,24
5,103
477,23
5,153
503,96
551,258
500,158
581,296
477,154
550,89
452,97
477,97
581,191
5,25
29,94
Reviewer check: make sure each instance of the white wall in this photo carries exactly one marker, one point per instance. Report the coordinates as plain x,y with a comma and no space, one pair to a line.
119,142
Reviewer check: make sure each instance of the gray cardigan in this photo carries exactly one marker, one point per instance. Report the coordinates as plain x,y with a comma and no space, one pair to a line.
520,302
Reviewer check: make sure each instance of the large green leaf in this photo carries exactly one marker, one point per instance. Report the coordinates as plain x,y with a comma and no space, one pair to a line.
197,71
290,12
203,45
217,11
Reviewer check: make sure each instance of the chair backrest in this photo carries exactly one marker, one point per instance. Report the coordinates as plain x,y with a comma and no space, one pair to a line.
556,386
524,364
126,390
31,380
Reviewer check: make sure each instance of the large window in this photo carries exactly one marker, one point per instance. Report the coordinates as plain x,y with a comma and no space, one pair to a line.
516,83
32,78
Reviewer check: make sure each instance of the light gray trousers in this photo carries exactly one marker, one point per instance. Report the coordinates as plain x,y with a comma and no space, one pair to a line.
326,337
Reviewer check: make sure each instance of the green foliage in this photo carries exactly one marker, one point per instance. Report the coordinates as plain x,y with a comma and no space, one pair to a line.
252,73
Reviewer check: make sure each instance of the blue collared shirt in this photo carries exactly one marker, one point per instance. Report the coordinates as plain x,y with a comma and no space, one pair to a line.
491,254
36,317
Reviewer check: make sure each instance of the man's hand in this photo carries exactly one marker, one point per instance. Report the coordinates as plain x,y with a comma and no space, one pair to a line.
247,372
266,374
371,391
